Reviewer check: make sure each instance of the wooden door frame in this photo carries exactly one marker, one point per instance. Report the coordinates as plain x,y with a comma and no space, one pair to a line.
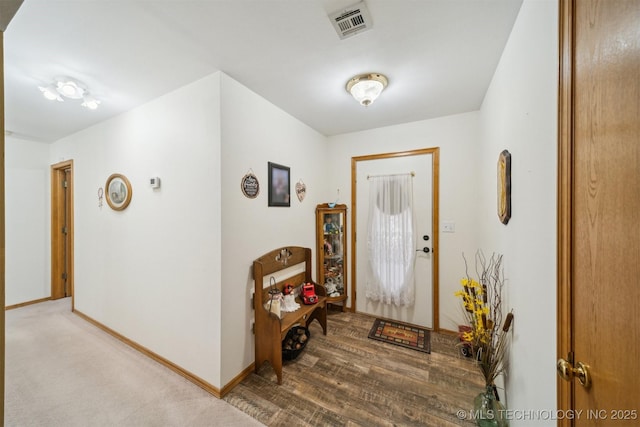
8,9
57,206
435,209
565,389
2,225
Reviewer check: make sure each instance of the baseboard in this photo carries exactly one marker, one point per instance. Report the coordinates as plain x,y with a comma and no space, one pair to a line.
167,363
237,380
449,332
440,331
23,304
387,319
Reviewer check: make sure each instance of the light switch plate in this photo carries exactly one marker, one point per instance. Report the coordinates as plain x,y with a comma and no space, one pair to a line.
448,227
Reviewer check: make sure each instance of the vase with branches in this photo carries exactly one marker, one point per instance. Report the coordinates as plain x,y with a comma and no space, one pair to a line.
486,332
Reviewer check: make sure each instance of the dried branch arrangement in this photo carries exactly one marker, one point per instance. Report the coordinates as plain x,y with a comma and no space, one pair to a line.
486,334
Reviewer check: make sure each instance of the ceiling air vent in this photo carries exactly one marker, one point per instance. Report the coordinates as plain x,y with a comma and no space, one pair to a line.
351,20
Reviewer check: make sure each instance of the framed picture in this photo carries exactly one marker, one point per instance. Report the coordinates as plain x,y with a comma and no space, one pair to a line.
279,185
118,192
504,186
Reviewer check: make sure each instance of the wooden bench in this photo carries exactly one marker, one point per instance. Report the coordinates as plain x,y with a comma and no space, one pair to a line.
288,265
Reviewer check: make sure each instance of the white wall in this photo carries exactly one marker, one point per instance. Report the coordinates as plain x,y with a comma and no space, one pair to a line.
152,272
173,271
27,225
458,138
183,253
255,132
519,113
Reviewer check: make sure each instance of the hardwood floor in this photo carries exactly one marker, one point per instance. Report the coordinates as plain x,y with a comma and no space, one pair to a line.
347,379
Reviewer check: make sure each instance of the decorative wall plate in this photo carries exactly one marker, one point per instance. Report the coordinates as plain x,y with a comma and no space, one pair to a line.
118,192
250,185
301,190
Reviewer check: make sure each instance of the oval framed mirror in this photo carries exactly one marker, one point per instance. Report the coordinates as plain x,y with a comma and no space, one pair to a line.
118,191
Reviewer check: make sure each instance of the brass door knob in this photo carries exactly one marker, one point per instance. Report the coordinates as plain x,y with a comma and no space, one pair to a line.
567,372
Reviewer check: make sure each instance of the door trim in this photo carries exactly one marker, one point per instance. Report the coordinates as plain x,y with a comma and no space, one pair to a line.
565,197
2,220
57,206
435,183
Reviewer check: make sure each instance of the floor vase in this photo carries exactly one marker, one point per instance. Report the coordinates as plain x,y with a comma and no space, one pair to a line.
488,411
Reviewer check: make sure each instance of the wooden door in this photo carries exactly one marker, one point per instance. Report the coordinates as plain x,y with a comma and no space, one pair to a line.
599,210
62,230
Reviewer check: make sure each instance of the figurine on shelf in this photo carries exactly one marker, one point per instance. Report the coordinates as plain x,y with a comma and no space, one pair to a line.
333,287
327,248
289,303
308,294
330,227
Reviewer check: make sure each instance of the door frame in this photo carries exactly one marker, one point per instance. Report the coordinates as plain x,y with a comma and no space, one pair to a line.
2,220
435,207
565,389
58,171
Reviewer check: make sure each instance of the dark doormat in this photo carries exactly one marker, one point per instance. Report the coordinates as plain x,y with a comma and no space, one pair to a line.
401,334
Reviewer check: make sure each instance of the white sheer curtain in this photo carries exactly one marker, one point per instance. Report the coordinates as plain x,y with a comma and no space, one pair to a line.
391,240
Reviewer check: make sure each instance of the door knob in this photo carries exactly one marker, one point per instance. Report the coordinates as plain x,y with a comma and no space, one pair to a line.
567,372
425,250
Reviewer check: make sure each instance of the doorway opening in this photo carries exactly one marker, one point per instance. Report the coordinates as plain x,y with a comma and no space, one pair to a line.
427,176
62,230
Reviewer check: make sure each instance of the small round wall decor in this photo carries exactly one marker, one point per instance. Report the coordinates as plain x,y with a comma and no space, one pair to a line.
118,192
250,185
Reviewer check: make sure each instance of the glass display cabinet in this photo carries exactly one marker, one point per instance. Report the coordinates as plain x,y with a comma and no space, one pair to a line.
331,250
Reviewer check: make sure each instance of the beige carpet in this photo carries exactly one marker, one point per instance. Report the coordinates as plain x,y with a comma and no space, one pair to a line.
63,371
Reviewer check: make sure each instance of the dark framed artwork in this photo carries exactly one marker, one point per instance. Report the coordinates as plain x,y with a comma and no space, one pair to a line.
279,185
504,186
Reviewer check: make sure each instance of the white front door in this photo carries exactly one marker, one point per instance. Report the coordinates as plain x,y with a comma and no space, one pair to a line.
422,312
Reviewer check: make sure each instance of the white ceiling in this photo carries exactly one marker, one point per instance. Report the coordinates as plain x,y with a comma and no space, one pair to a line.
439,56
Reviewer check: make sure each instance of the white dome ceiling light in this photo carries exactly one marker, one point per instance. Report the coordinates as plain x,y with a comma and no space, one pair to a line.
366,88
69,88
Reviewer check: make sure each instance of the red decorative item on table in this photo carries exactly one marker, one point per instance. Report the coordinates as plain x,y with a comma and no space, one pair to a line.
308,294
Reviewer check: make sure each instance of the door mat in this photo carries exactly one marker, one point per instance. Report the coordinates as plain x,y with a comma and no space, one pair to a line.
401,334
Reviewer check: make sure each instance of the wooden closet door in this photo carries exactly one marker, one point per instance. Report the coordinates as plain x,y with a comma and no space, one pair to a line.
600,211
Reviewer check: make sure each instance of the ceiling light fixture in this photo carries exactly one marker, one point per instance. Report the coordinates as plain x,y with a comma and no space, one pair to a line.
51,93
69,88
90,102
365,88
